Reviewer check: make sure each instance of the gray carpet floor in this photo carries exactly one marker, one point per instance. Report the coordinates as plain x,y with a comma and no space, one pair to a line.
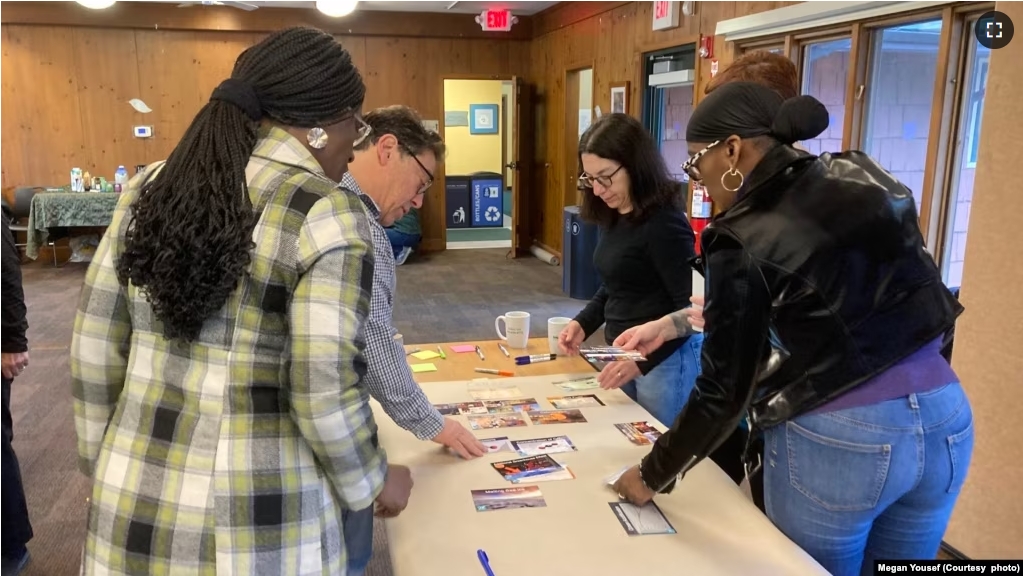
448,296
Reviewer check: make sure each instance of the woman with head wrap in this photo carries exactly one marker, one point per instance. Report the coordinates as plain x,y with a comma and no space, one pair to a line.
824,322
217,351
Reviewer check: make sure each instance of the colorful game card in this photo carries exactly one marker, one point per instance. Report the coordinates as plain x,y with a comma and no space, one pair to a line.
557,417
465,408
639,433
577,401
588,383
519,405
610,354
529,467
563,474
641,520
537,446
500,444
508,498
509,420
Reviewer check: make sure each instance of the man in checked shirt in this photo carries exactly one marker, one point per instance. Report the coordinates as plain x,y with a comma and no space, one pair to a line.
392,170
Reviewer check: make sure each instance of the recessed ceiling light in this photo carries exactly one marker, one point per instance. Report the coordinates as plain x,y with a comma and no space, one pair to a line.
336,8
97,4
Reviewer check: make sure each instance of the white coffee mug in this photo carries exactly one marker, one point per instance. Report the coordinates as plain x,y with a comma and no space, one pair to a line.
554,327
516,324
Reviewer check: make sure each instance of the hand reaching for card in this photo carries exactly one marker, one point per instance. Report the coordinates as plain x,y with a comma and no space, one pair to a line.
630,486
457,438
617,374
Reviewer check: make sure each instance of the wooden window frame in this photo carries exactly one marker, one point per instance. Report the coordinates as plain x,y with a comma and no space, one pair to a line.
945,104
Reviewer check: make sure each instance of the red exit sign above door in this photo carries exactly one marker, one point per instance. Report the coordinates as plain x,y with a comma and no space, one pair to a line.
665,15
496,20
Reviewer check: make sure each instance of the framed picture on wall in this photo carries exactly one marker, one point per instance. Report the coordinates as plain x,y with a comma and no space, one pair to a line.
483,119
620,97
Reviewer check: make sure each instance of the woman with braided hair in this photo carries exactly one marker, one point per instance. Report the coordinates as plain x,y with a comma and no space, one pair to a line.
217,355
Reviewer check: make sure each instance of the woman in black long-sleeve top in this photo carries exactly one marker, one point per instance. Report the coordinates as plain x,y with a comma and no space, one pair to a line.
643,258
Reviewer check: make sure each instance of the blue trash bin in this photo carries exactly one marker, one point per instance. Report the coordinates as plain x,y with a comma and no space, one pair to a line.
580,279
487,200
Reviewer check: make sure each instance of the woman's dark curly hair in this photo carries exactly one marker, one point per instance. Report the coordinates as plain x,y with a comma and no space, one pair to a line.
189,236
622,138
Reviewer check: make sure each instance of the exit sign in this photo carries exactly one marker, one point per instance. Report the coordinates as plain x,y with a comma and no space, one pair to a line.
496,20
665,15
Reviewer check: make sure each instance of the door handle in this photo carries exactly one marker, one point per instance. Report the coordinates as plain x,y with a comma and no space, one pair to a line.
513,165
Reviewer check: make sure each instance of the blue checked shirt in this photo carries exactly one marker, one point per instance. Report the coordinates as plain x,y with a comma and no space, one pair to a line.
389,378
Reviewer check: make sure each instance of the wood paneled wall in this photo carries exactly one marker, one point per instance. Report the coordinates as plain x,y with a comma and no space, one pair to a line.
611,37
66,88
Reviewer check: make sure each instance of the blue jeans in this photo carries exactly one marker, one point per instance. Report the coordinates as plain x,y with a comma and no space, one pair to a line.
358,531
400,240
664,391
876,482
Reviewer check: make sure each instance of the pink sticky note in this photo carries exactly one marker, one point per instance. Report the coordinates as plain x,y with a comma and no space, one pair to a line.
464,348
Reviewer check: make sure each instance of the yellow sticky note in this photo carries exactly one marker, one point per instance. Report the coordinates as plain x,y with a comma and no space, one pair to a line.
428,367
426,355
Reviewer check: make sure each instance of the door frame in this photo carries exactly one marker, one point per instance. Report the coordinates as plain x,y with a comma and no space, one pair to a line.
570,145
522,172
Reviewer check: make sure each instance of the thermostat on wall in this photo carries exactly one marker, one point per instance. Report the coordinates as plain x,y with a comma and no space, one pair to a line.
143,131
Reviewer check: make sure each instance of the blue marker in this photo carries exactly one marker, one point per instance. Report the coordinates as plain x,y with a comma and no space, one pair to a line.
535,358
485,561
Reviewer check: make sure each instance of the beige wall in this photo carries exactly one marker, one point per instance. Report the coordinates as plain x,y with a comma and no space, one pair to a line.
988,519
468,153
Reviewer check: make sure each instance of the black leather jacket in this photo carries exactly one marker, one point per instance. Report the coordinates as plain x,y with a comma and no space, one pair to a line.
817,280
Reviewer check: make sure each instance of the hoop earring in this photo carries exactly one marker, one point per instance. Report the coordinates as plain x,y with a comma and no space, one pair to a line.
732,172
317,138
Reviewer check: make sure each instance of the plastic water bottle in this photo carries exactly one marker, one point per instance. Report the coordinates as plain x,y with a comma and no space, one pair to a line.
120,179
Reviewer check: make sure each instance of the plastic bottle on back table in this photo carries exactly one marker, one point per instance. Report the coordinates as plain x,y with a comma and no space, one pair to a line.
120,179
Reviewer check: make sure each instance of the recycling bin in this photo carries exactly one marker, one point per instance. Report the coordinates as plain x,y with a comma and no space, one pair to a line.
487,199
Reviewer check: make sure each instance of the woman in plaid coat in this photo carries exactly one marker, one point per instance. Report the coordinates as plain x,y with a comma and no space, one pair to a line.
217,349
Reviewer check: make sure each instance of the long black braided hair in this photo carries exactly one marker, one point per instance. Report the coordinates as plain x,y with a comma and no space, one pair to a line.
189,239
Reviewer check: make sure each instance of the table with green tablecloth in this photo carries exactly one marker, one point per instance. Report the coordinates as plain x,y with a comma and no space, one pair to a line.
67,210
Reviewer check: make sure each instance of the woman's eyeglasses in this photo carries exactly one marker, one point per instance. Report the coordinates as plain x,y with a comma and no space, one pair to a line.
587,180
363,130
689,166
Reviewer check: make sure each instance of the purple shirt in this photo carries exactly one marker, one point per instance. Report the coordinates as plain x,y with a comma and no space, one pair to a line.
925,369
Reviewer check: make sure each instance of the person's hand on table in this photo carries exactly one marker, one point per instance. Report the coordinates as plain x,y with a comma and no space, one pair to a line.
694,314
393,499
630,486
14,363
571,338
457,438
617,374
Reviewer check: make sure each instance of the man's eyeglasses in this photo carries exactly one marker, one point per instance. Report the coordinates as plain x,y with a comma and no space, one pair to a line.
429,176
689,167
587,180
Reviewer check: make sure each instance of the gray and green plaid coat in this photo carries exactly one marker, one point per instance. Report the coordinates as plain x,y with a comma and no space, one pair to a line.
237,453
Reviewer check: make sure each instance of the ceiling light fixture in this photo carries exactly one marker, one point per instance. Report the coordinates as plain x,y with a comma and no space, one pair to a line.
336,8
97,4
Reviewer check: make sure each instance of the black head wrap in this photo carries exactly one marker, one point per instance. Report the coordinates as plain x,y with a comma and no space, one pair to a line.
748,110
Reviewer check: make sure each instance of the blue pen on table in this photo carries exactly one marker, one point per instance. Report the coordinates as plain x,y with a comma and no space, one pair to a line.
535,358
485,561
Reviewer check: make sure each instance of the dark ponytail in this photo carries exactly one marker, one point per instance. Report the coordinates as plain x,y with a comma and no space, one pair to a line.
189,235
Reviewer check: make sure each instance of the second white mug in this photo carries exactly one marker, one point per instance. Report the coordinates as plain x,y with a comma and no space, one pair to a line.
554,327
516,324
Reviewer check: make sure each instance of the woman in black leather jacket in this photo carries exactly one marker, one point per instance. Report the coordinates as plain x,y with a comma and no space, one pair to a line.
824,324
